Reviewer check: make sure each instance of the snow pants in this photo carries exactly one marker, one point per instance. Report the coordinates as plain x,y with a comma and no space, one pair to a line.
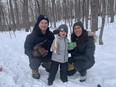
34,63
54,69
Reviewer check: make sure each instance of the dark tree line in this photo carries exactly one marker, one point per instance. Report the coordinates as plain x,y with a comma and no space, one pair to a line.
18,14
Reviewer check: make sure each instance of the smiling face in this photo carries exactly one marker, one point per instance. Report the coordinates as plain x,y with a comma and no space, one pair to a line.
62,34
43,25
77,30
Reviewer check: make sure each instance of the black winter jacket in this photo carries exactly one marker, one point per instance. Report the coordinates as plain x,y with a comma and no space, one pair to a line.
37,37
84,51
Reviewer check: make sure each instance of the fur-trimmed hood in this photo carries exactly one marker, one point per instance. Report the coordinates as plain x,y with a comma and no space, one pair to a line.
94,36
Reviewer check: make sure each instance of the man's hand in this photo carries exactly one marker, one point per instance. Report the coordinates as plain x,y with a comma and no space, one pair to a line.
39,51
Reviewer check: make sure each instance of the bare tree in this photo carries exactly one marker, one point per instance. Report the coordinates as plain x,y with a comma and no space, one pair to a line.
70,13
94,15
111,10
64,10
53,12
37,9
103,22
16,14
43,7
31,13
115,6
86,12
1,14
25,16
77,10
23,13
83,10
12,16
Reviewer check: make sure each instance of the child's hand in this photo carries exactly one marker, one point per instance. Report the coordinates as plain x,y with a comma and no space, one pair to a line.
54,48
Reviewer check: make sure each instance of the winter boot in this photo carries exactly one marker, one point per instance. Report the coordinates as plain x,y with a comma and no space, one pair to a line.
50,83
35,74
46,66
83,76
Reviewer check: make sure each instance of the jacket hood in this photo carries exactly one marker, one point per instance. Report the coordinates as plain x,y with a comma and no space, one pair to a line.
93,35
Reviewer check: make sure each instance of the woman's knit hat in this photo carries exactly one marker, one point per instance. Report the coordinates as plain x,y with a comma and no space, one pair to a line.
79,23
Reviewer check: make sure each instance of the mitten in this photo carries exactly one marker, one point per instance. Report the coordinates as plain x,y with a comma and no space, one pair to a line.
71,45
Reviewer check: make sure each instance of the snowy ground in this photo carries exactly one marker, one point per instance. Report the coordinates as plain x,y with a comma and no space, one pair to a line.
16,72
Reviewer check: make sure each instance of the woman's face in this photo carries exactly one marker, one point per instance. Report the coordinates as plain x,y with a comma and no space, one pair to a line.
77,30
62,34
43,25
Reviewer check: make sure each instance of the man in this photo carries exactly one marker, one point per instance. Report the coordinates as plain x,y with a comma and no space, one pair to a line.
37,45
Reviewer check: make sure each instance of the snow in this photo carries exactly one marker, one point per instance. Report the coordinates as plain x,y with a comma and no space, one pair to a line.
16,71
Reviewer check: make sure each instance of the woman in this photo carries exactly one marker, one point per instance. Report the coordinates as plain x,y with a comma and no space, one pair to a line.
37,45
83,52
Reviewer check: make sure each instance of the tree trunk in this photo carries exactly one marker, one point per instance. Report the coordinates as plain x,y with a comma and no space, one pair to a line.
17,15
111,10
78,12
12,15
43,7
94,15
103,23
83,11
37,9
54,13
86,12
64,10
25,14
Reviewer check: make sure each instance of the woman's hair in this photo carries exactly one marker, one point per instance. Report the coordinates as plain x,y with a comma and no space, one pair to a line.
81,39
83,36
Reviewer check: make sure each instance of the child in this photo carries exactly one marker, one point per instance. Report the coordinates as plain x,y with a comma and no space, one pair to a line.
60,57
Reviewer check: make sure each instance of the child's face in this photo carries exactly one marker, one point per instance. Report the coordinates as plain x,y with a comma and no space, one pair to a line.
62,34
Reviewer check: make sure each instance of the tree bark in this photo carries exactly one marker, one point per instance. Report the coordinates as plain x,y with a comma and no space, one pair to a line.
12,15
103,23
94,15
111,10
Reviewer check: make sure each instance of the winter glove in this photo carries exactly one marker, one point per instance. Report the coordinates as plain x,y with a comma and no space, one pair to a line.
71,70
70,66
39,51
35,53
42,51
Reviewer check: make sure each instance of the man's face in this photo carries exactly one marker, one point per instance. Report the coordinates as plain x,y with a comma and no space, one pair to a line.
43,25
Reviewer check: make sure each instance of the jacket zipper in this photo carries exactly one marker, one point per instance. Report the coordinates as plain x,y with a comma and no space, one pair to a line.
64,49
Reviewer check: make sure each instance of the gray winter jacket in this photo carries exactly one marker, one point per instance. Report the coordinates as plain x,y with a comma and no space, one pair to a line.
62,52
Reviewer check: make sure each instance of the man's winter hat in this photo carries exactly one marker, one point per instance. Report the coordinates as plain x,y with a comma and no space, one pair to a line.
63,27
79,23
42,17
